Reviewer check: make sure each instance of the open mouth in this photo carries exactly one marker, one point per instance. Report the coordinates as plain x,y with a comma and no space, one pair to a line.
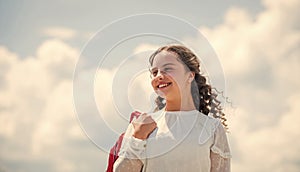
164,85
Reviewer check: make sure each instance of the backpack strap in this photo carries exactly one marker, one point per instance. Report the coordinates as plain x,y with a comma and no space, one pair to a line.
114,151
134,114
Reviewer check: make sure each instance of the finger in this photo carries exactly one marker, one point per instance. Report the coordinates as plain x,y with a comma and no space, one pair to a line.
138,118
147,120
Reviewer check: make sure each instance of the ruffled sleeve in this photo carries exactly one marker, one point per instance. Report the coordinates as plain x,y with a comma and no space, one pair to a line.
132,148
132,153
220,152
220,145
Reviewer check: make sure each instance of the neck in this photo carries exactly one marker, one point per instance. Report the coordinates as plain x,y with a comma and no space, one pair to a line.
181,104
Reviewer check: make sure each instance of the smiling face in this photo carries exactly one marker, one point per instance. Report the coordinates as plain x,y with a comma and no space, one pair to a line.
170,79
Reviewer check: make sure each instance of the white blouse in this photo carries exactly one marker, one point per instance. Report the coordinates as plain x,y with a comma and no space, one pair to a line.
182,141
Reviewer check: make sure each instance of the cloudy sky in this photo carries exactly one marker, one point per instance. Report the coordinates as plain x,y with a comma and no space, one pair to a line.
48,123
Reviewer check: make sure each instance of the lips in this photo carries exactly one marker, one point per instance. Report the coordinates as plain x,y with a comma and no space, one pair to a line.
163,85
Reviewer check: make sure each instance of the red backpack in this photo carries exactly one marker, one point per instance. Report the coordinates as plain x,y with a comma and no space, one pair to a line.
114,151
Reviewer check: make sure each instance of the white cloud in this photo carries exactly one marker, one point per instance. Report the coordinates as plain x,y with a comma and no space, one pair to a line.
129,82
87,35
7,60
55,119
105,100
59,32
275,147
38,124
260,56
56,52
121,90
145,48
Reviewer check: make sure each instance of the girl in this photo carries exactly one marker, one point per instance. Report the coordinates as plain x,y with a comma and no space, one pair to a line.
185,133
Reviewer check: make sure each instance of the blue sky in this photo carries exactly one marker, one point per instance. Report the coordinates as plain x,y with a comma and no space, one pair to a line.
256,45
22,22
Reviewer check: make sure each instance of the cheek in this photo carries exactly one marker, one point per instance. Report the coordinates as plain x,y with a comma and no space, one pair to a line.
174,78
153,84
180,80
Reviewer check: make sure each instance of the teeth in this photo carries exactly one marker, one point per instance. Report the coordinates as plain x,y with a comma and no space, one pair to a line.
162,85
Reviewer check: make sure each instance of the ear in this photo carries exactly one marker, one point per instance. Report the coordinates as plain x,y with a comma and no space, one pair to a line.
191,77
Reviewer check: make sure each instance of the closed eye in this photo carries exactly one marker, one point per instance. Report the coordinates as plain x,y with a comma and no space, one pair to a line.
168,69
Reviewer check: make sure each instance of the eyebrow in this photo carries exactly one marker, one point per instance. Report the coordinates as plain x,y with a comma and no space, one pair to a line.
172,64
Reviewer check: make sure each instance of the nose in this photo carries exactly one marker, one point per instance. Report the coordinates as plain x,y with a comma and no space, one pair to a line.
160,74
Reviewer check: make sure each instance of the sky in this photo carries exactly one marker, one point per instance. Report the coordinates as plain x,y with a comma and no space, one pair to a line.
72,71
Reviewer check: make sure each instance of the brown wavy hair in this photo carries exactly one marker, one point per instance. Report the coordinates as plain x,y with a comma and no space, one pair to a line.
205,100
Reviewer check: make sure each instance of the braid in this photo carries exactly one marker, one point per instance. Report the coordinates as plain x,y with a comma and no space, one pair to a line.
205,100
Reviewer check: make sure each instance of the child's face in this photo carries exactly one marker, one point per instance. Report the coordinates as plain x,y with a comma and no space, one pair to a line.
169,76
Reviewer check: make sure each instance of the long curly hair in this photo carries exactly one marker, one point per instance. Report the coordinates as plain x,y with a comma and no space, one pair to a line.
205,100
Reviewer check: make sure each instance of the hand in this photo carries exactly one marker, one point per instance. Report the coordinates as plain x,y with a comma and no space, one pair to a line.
143,126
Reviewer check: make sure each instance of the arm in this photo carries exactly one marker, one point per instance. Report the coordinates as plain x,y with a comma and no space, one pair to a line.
218,163
220,153
132,153
128,165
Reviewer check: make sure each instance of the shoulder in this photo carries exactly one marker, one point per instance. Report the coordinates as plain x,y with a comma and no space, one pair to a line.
209,122
208,126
